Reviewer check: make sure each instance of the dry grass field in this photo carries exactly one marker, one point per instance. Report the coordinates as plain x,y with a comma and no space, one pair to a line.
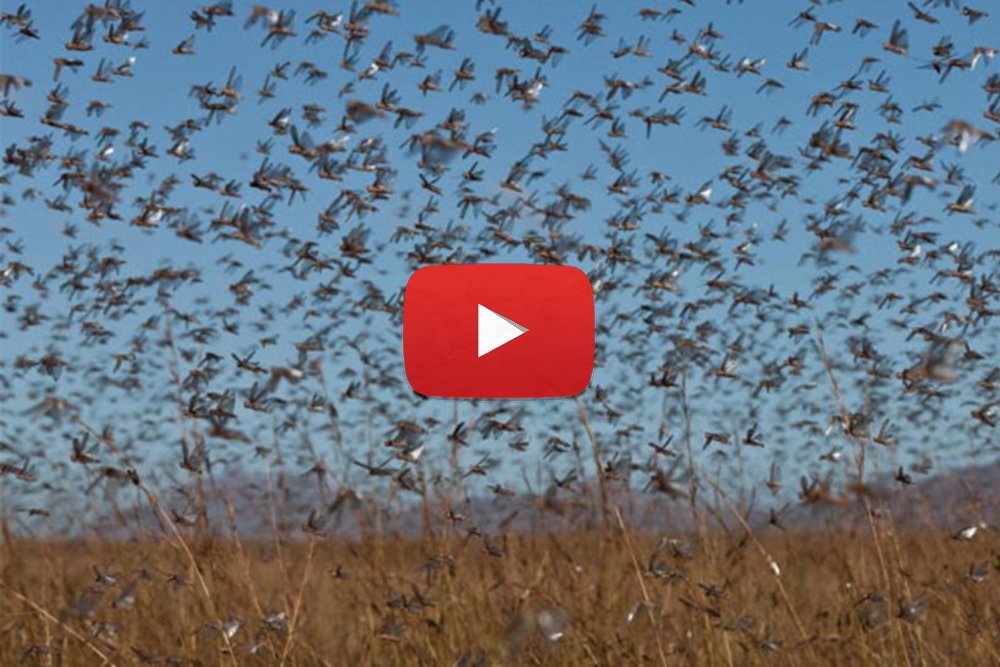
611,596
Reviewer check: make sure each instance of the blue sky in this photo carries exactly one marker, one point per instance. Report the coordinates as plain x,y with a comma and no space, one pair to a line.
158,94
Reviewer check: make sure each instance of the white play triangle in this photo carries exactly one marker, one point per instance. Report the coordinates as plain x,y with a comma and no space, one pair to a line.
495,330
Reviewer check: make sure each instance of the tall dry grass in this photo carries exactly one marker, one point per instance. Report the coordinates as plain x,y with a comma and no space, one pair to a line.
612,596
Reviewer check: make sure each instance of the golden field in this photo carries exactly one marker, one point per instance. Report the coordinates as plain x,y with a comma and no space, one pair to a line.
605,596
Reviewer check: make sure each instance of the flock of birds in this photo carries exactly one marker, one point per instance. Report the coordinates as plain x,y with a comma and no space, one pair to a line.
815,292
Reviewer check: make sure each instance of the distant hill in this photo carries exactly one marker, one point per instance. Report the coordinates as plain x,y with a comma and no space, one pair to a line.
947,501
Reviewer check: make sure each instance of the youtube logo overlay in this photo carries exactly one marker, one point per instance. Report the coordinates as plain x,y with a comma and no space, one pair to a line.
498,331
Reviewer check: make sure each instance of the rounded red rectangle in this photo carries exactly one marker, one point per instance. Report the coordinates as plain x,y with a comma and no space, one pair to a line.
498,331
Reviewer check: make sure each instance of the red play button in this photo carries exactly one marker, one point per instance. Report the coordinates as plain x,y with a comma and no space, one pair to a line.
498,331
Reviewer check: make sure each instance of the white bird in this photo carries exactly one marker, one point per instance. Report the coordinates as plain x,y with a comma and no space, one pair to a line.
969,532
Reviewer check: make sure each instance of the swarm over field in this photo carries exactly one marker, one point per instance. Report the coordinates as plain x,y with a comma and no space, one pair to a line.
209,452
